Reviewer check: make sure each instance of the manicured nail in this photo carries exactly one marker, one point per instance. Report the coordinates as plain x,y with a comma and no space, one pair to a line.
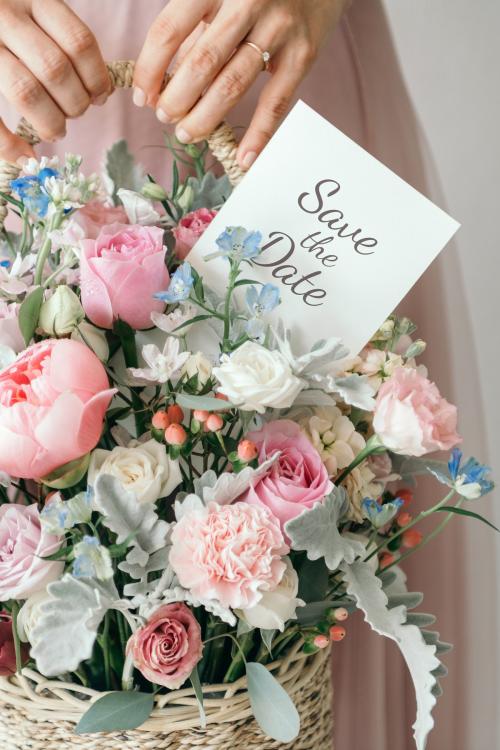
139,97
162,116
182,135
22,161
101,99
249,159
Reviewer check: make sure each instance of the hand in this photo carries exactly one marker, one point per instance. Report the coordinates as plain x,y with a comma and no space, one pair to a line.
216,70
50,69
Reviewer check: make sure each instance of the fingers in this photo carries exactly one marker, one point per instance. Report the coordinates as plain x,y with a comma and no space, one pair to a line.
228,88
187,46
48,63
174,24
78,43
20,87
274,102
204,61
12,147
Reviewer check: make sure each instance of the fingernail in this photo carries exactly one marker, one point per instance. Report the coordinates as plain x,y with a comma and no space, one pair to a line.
182,135
139,97
22,161
55,138
249,159
162,116
101,99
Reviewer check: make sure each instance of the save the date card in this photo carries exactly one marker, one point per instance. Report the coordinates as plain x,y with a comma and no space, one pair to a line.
344,238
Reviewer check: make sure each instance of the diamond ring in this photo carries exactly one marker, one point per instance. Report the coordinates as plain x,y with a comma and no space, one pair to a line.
265,55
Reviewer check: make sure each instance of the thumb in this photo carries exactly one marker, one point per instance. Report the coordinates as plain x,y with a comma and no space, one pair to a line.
12,147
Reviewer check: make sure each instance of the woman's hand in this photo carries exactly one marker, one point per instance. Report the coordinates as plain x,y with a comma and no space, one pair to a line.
217,69
50,69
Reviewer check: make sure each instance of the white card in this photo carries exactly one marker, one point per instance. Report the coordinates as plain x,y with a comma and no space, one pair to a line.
345,238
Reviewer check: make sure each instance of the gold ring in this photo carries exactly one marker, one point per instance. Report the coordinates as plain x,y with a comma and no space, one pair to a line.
265,55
